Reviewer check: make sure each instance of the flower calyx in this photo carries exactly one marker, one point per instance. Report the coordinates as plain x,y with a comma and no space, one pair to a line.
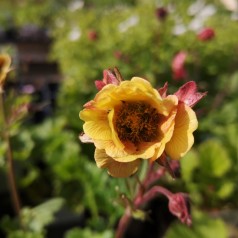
109,77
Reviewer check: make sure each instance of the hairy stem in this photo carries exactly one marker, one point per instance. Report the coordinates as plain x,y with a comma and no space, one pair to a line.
151,194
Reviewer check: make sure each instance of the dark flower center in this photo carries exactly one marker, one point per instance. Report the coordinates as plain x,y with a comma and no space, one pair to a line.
136,122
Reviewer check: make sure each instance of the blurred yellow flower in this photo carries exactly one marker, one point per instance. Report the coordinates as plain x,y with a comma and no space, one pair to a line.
5,62
130,121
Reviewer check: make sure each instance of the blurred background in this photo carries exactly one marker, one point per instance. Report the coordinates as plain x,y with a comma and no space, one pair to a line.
59,48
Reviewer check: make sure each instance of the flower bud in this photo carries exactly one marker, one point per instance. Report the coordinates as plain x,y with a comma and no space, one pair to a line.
179,206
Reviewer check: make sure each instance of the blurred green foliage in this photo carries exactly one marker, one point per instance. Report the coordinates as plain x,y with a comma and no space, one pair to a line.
96,35
204,227
84,233
33,219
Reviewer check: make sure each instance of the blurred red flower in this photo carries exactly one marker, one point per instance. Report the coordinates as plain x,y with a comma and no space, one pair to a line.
178,65
92,35
206,34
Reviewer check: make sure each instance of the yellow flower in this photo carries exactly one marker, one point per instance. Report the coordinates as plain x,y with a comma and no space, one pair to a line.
130,121
5,62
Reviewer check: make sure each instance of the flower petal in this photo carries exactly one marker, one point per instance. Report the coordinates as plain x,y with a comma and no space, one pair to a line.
96,124
115,168
149,151
97,130
92,114
167,128
182,139
111,149
115,137
168,105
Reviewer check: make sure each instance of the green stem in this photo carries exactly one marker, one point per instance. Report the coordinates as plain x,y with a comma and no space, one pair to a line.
10,167
128,187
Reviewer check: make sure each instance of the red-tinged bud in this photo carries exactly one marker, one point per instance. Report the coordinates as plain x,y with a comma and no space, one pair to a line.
179,206
161,13
92,35
206,34
188,94
178,65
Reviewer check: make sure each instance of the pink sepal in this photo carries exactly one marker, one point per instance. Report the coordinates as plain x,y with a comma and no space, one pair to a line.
188,94
163,91
99,84
108,78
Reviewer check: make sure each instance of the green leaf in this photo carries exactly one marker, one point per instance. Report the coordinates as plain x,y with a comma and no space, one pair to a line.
226,189
25,234
214,159
22,145
188,164
85,233
38,217
228,134
233,83
3,148
31,176
179,230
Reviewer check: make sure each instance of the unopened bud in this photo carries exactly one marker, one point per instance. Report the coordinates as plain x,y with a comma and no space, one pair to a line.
179,206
